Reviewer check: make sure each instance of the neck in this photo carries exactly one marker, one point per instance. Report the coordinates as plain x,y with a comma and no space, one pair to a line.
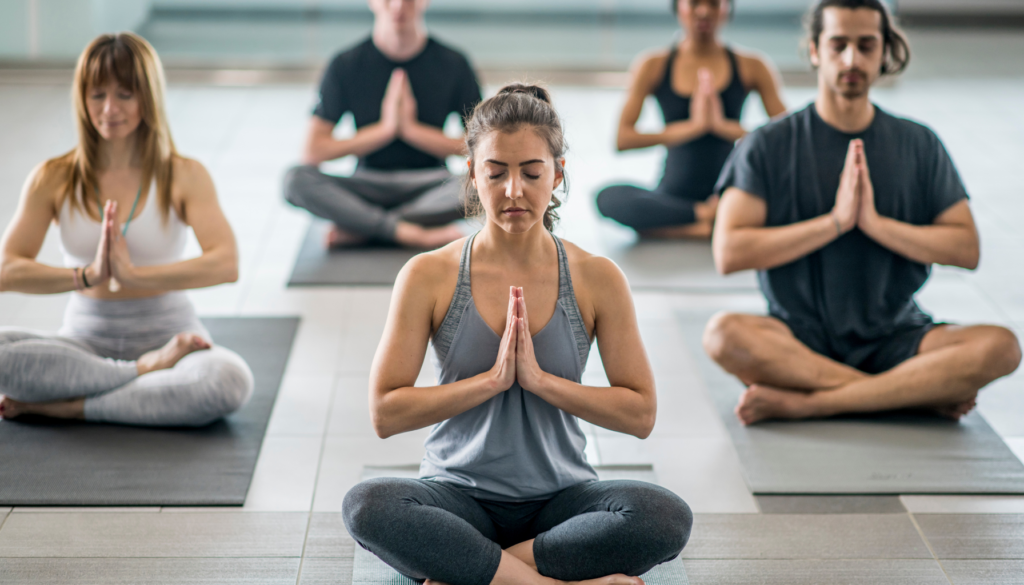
700,45
399,43
117,155
513,250
850,115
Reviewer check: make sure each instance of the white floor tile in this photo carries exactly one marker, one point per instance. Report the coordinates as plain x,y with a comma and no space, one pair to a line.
963,504
285,475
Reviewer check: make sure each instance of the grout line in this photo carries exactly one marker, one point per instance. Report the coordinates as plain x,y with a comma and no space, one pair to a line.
931,550
316,480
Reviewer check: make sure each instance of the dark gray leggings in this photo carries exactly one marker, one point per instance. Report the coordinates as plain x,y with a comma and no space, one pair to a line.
432,530
643,209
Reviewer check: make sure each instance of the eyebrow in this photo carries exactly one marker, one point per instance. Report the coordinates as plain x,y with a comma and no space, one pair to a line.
524,163
860,38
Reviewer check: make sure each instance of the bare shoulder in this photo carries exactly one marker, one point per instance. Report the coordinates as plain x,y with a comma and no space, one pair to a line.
429,271
48,179
649,65
753,64
592,272
188,172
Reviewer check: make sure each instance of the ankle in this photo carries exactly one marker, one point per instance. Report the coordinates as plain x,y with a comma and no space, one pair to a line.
409,234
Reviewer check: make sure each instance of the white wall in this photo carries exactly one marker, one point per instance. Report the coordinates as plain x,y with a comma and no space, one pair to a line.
656,6
962,6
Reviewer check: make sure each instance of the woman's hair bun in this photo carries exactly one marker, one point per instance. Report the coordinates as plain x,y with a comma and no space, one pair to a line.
531,90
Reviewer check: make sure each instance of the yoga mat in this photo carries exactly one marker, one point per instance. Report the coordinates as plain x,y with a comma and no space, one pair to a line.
370,570
887,453
74,463
360,265
674,266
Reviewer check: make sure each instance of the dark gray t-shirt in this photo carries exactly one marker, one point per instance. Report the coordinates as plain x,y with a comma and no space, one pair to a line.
853,288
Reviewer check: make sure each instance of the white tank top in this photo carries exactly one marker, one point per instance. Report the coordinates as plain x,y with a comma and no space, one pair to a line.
151,241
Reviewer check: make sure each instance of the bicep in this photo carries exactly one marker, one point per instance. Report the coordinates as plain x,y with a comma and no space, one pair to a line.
319,129
618,333
201,210
403,345
640,86
25,234
957,215
739,209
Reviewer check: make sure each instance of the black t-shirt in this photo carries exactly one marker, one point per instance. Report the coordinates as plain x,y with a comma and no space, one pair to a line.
442,82
853,288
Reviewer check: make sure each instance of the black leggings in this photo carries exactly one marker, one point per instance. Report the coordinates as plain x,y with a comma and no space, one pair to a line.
643,209
432,530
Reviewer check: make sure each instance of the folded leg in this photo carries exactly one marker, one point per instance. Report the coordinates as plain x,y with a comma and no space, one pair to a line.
439,205
642,209
424,530
201,388
602,528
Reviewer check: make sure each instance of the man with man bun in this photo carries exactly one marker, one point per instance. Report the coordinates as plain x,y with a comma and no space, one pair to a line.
843,208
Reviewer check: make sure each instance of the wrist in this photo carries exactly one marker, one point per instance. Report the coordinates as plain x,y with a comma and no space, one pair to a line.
89,276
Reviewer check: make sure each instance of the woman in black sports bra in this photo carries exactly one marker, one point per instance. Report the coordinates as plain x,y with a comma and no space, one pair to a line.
701,86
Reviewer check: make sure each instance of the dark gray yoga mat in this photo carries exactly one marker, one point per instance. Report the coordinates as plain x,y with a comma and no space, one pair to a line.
52,463
889,453
673,266
359,265
370,570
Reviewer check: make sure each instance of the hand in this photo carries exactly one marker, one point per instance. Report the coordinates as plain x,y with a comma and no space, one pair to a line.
846,211
716,111
390,115
868,216
407,110
700,104
99,271
121,267
504,371
528,371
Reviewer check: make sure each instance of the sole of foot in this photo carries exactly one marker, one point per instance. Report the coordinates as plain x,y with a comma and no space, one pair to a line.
760,403
339,238
170,354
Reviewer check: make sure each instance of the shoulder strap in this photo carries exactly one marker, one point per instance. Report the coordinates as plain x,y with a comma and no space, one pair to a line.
567,298
445,334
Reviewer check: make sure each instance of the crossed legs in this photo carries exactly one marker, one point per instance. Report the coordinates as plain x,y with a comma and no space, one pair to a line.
786,379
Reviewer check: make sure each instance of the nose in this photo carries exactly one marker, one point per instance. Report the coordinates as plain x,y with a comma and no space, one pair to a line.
849,56
514,187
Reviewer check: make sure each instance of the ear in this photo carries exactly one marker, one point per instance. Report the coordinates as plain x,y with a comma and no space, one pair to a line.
559,175
812,49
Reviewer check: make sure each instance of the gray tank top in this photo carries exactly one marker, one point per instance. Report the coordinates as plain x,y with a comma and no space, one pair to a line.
515,446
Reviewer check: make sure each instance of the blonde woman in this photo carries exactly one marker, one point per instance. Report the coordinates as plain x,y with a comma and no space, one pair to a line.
131,349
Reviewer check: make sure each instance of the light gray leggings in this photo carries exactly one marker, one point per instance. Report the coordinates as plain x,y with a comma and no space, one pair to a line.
371,203
93,355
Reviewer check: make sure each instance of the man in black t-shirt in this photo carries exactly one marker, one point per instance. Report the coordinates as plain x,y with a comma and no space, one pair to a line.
842,247
400,86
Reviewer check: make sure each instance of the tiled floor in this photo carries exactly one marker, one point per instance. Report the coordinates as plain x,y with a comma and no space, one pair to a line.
289,530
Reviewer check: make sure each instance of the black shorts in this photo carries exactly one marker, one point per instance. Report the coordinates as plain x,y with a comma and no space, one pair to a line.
872,356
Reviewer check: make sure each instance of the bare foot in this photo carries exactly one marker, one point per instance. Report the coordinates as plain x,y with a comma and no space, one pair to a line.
612,580
339,238
416,236
164,358
707,209
956,411
74,408
764,402
692,231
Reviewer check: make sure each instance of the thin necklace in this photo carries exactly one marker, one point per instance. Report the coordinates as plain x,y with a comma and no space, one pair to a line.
113,285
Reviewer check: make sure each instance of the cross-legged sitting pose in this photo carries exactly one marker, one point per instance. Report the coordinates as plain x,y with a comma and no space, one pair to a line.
843,208
400,85
505,493
131,349
701,86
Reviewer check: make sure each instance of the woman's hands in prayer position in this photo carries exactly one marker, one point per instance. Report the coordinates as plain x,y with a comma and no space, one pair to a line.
122,271
516,360
99,271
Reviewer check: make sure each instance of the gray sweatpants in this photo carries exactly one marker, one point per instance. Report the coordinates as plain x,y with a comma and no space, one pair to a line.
433,530
371,203
93,355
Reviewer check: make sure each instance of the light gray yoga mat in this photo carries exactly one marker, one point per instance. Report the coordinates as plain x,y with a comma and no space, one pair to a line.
370,570
890,453
59,463
675,266
360,265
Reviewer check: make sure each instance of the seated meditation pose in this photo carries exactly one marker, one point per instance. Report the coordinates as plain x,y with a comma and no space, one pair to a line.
400,86
701,86
843,208
505,493
131,349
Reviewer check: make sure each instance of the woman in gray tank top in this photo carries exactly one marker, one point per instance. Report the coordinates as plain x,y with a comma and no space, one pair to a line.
505,493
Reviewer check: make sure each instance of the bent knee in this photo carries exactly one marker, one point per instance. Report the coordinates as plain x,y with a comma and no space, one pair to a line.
1002,352
667,519
226,384
297,183
609,202
365,509
724,334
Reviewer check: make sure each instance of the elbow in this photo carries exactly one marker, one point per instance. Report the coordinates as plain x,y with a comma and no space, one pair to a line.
6,278
972,258
380,426
727,264
645,426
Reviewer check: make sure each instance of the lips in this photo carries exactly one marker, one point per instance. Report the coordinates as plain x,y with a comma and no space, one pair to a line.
514,211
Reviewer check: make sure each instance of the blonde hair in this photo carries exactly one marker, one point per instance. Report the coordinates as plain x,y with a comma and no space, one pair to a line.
131,62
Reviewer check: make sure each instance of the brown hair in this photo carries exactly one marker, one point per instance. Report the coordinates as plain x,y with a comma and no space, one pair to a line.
130,61
895,46
515,106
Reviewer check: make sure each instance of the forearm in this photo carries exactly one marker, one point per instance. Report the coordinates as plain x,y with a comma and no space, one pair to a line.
730,130
952,245
368,139
432,140
415,407
212,268
762,248
674,134
612,407
28,276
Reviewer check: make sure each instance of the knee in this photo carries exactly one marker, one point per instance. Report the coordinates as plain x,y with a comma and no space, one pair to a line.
364,506
1002,352
296,182
668,520
608,202
723,337
228,384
